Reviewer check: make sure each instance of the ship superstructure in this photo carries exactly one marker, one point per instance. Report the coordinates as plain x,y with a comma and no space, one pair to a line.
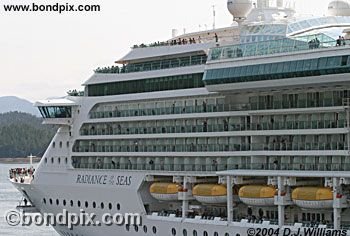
210,134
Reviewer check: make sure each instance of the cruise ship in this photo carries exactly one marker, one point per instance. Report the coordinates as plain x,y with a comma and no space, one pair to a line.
234,131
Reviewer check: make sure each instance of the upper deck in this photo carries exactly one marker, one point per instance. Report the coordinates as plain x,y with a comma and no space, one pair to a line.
286,45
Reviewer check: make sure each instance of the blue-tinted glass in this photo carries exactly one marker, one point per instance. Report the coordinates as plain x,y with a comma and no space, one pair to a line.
267,69
243,71
235,71
226,73
280,67
322,63
300,66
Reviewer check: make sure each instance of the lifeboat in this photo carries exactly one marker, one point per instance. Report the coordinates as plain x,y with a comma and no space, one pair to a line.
313,197
257,195
165,191
210,193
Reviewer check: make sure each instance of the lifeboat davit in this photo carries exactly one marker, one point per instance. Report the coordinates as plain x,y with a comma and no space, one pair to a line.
313,197
257,195
165,191
210,193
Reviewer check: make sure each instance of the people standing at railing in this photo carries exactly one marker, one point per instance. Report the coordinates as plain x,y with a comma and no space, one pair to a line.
317,43
339,41
343,41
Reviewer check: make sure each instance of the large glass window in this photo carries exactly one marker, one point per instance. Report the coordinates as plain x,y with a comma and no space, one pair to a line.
279,70
56,112
148,85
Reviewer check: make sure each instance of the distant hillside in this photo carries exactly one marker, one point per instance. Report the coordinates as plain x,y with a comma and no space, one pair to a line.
11,103
22,134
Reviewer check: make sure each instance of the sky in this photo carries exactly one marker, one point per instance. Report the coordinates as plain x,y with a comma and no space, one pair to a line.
45,54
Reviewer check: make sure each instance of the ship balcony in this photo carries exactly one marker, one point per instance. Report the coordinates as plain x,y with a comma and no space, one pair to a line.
210,108
272,146
279,46
132,129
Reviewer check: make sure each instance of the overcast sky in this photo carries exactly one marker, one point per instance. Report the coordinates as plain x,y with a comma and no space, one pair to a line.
46,54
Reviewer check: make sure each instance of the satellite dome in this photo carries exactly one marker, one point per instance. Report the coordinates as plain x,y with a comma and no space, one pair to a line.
339,8
239,9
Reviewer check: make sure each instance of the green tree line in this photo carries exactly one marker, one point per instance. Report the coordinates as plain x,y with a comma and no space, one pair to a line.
22,134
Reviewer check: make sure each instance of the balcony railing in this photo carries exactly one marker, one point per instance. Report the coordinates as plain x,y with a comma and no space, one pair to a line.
209,167
213,108
286,45
276,146
289,125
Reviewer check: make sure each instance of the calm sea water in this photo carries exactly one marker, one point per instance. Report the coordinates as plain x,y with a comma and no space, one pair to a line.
9,199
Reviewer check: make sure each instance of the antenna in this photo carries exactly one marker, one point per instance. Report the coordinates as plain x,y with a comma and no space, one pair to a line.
214,14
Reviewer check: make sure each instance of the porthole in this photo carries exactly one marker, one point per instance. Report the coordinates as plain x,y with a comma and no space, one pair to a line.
79,204
102,205
71,203
205,233
173,231
94,204
127,227
238,235
53,144
61,144
64,202
194,233
67,144
110,206
45,160
44,200
145,228
184,232
227,234
57,202
59,160
50,201
86,204
216,234
66,160
154,229
136,228
118,207
52,160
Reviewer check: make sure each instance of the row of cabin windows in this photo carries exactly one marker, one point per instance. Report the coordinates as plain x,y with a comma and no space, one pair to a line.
286,100
173,231
79,204
222,124
320,163
147,85
280,70
60,144
58,160
166,64
277,142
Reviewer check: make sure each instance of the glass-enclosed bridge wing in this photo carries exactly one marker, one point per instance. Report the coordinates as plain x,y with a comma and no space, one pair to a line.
56,111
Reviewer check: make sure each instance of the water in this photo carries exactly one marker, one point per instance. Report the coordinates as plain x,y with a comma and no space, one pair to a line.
9,199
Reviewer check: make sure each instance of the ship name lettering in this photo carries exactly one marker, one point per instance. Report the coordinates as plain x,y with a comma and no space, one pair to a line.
123,180
92,179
